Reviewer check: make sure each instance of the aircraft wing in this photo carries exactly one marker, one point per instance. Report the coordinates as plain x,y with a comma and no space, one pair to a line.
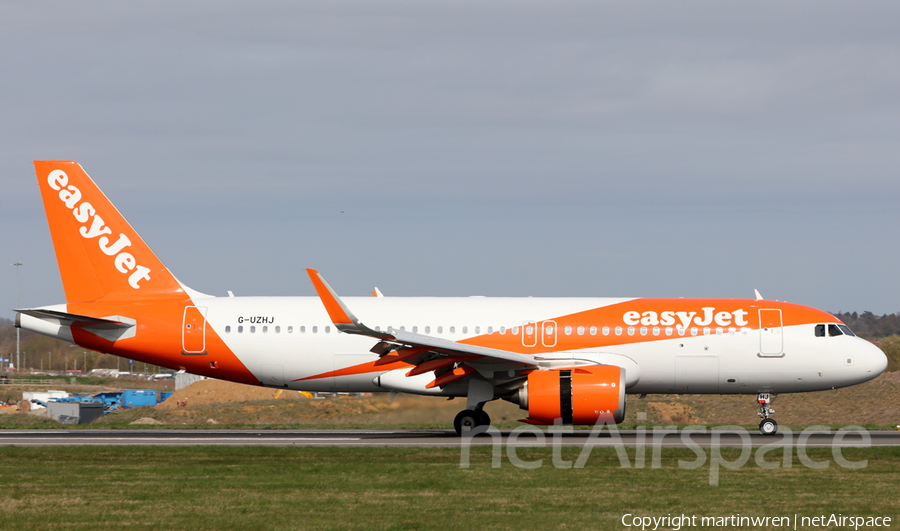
346,322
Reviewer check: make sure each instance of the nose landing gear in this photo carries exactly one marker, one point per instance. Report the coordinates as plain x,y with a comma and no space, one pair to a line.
768,426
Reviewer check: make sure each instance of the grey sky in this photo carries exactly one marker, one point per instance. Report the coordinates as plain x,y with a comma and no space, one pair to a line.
507,148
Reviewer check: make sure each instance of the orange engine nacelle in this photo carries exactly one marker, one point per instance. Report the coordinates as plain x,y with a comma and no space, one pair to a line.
578,395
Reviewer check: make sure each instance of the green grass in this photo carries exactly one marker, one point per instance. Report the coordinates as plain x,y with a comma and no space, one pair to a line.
249,488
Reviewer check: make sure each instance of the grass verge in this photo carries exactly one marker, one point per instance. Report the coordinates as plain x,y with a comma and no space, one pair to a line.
245,488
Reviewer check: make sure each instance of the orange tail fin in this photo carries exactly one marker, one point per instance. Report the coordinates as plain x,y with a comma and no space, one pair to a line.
99,254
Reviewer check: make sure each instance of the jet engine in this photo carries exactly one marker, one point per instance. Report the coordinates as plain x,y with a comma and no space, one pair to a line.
579,395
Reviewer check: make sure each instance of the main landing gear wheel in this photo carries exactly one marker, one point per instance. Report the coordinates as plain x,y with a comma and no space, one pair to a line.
768,427
468,422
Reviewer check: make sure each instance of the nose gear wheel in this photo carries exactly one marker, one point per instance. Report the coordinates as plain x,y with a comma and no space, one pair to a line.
768,426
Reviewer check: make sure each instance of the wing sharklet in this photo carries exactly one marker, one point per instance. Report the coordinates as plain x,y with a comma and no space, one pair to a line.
340,315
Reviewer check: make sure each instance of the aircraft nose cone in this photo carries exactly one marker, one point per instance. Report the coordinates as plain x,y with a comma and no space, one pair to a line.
876,361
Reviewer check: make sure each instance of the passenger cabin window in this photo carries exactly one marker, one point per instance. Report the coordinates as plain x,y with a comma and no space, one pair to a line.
228,329
820,330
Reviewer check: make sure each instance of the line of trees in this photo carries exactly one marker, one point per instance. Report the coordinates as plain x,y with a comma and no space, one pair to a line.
871,326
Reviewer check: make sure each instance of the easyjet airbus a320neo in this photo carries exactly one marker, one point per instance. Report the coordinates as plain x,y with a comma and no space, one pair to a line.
563,360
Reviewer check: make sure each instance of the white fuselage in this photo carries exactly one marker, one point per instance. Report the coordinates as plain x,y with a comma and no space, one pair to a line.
295,336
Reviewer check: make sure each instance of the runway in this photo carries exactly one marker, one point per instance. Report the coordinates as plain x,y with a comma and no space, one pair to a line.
528,437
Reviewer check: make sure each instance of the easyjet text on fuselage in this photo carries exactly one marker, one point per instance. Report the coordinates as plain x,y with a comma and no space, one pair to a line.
705,317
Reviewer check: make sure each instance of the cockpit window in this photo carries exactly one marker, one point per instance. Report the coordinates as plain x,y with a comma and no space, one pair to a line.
833,330
820,330
846,330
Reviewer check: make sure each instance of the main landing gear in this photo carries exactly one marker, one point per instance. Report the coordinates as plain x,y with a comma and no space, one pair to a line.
768,426
471,422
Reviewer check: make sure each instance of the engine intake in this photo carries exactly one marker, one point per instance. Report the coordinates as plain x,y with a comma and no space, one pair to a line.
578,395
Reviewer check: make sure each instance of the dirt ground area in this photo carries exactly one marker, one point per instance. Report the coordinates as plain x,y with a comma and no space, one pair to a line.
374,410
216,402
876,402
206,392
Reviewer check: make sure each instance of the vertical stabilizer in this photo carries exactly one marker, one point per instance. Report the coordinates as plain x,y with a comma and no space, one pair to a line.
99,254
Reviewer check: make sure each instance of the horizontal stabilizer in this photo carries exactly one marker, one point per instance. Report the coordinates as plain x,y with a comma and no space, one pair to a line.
80,321
55,323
